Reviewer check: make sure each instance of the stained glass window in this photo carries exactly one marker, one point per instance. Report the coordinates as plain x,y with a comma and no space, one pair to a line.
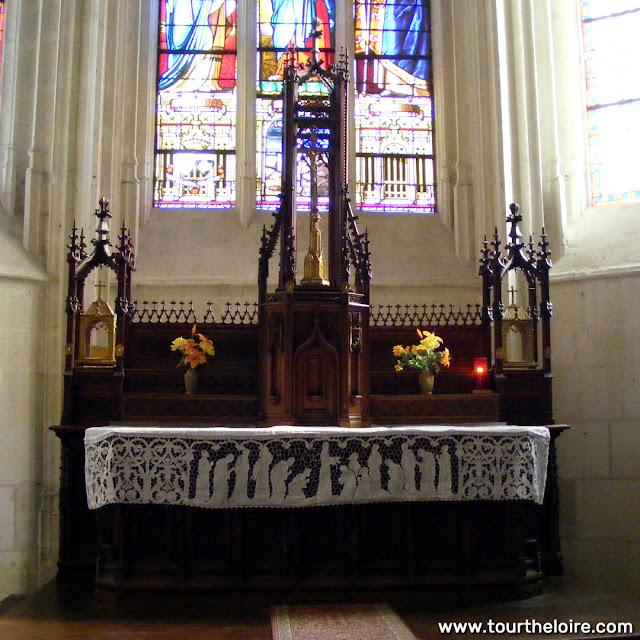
394,106
197,97
612,51
196,104
284,24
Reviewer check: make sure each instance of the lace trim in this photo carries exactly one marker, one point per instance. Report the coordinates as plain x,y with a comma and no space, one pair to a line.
308,470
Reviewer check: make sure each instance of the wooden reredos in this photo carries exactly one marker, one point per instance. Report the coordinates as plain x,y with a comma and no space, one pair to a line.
263,349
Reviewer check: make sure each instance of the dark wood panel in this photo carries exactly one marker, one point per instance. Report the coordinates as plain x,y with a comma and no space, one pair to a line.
375,546
435,408
178,407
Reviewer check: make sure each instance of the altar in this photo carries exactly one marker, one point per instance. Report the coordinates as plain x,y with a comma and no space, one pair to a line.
225,467
153,500
304,508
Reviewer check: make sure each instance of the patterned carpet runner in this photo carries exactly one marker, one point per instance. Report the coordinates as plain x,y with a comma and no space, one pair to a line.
338,622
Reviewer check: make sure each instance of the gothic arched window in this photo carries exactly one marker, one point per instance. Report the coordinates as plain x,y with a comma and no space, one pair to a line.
203,153
612,49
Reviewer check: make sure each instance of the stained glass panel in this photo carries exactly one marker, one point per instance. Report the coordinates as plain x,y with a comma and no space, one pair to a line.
196,104
612,49
269,153
602,8
195,160
394,107
284,25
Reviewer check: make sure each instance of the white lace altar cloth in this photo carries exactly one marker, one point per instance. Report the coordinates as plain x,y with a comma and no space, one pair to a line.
223,467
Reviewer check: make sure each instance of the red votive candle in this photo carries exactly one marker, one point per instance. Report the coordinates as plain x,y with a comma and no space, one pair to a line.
481,371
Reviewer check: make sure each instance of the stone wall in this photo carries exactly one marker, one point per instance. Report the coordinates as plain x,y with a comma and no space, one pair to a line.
25,548
596,365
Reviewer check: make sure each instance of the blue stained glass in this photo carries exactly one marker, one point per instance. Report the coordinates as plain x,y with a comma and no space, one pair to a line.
406,33
393,107
612,49
615,152
287,24
187,31
196,104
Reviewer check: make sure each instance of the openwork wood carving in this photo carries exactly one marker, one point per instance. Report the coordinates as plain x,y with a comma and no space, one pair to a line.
497,266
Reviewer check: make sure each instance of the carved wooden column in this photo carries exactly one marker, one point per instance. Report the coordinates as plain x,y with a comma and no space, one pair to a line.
93,388
550,521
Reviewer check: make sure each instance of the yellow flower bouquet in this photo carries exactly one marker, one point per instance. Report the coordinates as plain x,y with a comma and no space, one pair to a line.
194,349
422,356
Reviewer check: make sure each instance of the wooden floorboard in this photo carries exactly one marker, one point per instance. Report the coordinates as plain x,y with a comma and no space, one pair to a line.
75,614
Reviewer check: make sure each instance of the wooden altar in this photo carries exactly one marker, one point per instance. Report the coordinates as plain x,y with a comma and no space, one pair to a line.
144,387
312,351
304,510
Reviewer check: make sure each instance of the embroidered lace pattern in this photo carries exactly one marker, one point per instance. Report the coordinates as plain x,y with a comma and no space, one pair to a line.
288,466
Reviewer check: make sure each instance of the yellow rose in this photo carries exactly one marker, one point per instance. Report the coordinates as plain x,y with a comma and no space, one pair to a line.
398,367
178,344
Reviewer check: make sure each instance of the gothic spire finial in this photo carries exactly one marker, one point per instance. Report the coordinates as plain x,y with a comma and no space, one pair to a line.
513,218
103,214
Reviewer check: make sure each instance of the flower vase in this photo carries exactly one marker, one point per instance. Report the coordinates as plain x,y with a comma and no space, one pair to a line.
426,380
191,379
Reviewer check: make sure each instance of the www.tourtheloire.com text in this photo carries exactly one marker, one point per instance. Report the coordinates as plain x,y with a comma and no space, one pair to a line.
534,626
